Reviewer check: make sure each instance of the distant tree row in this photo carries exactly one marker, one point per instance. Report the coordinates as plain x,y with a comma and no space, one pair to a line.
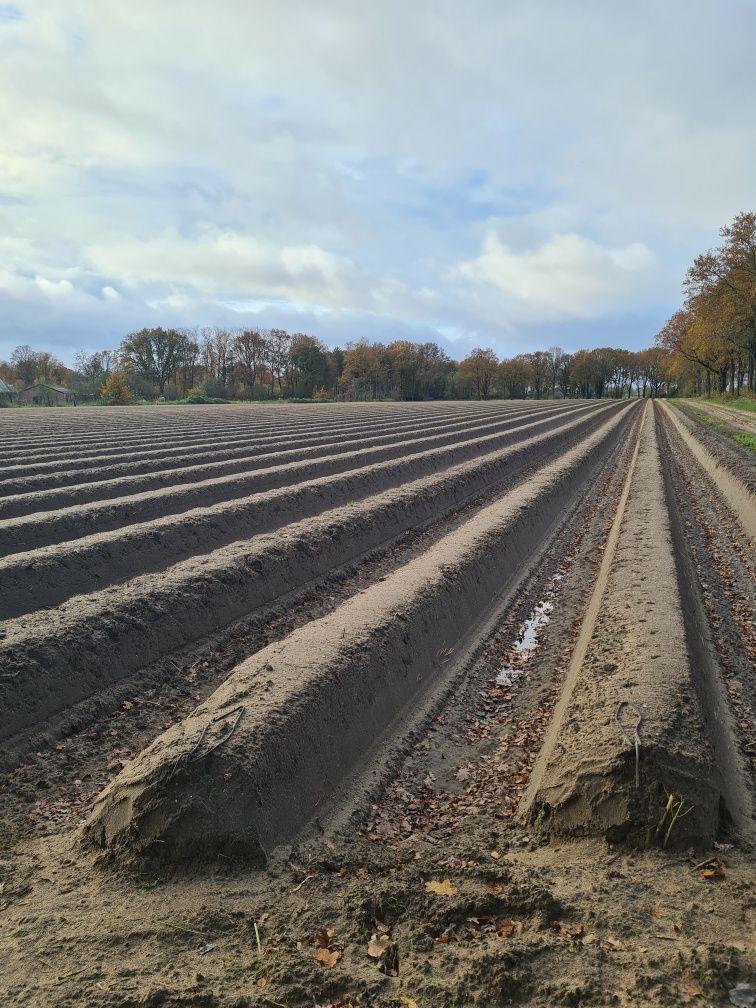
712,338
271,363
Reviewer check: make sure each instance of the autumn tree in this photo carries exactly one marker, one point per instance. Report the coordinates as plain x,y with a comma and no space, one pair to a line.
361,374
479,370
115,391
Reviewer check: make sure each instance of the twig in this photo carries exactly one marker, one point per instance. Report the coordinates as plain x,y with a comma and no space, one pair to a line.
702,864
190,756
305,879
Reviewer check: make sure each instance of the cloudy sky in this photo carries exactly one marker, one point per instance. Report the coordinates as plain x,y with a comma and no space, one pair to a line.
512,173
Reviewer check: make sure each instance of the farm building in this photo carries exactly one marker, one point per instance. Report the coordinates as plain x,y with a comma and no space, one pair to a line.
46,395
7,392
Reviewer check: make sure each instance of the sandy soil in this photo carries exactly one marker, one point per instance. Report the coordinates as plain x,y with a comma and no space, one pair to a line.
418,884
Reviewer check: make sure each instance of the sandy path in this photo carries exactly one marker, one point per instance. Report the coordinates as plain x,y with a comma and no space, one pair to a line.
741,420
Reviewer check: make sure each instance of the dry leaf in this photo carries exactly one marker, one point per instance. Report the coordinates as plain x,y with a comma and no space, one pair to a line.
444,888
495,855
324,937
262,982
690,990
377,945
612,944
566,931
407,1002
506,927
714,872
657,913
327,958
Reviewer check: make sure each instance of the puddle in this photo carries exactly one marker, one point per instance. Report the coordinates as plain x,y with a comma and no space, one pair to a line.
527,641
528,635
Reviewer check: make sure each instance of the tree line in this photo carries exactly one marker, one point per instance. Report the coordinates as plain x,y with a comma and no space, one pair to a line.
712,338
221,363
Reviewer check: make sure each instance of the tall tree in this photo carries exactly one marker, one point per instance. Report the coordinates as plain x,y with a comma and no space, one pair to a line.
154,354
479,369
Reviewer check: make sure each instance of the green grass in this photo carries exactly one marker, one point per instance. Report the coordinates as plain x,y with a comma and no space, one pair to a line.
747,404
745,440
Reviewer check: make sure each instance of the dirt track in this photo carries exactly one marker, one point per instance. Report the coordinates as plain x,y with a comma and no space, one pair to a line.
343,585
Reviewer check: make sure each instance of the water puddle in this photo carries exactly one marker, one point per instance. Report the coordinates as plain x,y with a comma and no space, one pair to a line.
528,638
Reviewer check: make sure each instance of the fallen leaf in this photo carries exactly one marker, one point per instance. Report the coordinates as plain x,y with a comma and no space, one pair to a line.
324,937
566,931
377,945
262,982
657,913
612,944
713,872
327,958
506,927
444,888
407,1002
495,855
690,990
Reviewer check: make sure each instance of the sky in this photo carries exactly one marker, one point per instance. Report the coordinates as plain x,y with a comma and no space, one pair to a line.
497,173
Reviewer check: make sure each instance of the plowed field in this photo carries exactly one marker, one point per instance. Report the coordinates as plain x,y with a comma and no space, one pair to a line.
469,685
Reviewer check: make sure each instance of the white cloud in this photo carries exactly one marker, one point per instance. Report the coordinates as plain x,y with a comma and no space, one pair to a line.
566,276
222,262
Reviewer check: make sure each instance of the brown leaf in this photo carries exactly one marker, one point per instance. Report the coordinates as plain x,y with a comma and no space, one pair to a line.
377,945
444,888
323,937
262,981
715,871
507,927
327,958
566,931
690,990
407,1002
612,944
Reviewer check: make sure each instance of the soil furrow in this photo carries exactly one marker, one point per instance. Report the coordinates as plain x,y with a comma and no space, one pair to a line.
116,631
49,575
68,523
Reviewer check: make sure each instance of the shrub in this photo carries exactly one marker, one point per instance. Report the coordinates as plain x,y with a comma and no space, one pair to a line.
115,391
